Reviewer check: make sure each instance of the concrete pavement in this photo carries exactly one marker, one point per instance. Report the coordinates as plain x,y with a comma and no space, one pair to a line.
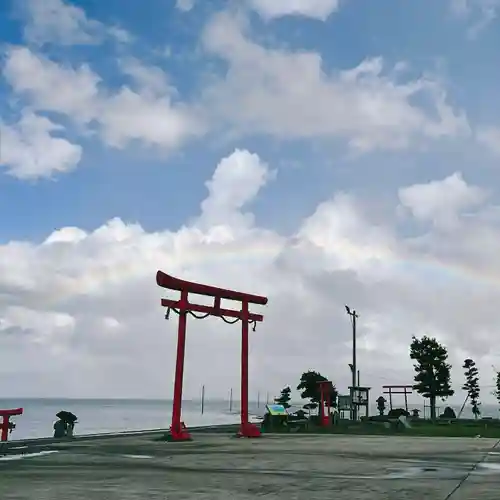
219,467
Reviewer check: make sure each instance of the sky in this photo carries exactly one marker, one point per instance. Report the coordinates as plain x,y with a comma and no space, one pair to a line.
318,152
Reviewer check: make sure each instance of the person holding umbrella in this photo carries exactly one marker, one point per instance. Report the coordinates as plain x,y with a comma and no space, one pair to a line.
65,424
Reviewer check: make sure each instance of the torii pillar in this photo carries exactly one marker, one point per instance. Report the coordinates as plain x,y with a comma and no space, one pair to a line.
183,307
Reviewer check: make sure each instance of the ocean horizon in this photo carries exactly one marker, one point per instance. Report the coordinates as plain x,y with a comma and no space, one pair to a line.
102,415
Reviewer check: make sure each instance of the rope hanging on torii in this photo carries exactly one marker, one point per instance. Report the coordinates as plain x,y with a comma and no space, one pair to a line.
203,316
182,308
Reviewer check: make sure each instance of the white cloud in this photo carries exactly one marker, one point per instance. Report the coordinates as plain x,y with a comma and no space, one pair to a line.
184,5
441,202
147,78
81,308
489,8
347,243
236,181
147,114
30,150
291,95
317,9
53,87
43,327
155,121
481,12
85,304
260,94
57,21
490,137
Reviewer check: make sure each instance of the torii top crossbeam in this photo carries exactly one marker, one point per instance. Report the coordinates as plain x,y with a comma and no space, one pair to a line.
166,281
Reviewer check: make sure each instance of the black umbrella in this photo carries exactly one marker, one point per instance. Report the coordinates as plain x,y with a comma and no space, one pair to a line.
67,416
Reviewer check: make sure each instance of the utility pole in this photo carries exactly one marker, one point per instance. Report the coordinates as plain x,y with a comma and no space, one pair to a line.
353,316
202,399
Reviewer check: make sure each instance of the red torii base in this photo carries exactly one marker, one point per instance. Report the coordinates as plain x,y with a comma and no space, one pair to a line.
4,426
178,431
326,388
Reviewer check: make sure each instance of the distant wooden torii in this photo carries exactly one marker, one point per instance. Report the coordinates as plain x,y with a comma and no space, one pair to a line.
400,389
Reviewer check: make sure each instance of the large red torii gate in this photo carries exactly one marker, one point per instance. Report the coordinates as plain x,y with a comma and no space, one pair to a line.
182,307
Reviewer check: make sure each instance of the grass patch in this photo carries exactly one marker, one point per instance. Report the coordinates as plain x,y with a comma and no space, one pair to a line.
456,428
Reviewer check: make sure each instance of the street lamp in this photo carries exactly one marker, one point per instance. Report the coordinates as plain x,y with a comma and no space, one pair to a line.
353,316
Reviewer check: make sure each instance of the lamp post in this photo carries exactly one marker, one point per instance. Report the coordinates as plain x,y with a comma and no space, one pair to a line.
353,316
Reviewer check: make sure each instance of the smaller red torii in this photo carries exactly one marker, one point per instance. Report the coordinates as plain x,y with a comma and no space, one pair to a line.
326,389
4,426
182,307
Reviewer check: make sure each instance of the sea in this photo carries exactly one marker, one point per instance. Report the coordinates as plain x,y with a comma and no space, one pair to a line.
116,415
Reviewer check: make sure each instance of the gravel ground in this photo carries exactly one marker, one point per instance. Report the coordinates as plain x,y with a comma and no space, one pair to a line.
220,467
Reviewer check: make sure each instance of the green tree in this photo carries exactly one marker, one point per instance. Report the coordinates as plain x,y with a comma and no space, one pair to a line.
432,378
448,413
472,385
381,401
309,385
284,397
496,392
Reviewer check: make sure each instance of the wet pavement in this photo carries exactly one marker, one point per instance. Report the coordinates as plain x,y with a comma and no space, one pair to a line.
219,467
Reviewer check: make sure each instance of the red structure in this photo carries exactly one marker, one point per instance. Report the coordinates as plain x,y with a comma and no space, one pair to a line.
4,426
183,307
326,388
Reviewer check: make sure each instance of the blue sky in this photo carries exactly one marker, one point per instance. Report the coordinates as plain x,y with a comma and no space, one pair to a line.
137,183
321,152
